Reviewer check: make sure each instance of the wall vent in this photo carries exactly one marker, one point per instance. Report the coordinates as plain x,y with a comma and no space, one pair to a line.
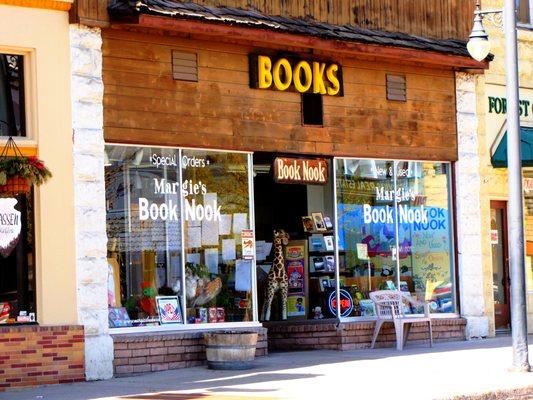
396,87
184,66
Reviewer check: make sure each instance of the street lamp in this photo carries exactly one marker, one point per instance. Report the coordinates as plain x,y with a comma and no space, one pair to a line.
478,46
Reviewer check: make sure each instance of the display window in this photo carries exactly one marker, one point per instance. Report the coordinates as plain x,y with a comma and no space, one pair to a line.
177,221
202,237
395,232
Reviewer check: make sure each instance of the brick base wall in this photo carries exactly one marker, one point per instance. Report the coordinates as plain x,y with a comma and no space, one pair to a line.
39,355
354,335
146,352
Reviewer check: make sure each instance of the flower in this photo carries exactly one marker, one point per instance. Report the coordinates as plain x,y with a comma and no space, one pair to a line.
30,168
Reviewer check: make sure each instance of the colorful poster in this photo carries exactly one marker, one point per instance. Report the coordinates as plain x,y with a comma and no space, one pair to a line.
295,273
169,310
296,306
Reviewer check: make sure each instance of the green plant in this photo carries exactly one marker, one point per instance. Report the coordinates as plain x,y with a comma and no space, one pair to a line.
198,270
30,168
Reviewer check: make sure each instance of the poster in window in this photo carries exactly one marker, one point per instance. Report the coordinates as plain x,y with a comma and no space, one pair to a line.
295,273
296,306
10,226
169,310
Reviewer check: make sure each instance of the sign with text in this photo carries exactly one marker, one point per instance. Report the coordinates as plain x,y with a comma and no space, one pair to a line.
301,171
247,239
10,226
290,74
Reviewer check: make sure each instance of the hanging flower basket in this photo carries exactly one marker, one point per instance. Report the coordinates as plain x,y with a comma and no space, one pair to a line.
18,173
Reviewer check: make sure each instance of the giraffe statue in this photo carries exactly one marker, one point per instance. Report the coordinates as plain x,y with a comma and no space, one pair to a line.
277,276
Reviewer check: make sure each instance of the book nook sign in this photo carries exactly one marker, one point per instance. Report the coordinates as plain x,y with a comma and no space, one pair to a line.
289,74
300,170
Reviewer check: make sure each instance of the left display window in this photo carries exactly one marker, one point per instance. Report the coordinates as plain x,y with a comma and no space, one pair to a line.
144,235
157,197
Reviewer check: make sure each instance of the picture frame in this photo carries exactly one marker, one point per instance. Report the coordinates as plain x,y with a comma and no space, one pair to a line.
169,310
318,221
329,244
328,223
324,284
318,263
330,263
118,317
308,223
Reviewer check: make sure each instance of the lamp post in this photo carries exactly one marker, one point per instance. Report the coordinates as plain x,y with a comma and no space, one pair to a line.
479,47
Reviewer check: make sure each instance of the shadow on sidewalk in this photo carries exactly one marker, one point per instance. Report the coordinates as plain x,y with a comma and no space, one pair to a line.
160,385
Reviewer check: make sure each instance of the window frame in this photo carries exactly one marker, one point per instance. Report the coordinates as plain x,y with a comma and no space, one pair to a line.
453,247
29,96
185,326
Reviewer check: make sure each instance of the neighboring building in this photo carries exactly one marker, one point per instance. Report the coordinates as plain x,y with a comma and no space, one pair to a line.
492,142
38,276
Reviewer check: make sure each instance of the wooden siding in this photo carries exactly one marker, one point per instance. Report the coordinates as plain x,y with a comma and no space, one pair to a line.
144,104
429,18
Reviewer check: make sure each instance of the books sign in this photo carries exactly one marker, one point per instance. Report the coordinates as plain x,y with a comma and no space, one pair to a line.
301,170
10,226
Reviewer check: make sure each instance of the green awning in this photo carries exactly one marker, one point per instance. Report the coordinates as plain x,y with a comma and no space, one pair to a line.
499,157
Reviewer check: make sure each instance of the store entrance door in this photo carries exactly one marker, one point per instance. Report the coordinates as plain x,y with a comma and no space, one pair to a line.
500,264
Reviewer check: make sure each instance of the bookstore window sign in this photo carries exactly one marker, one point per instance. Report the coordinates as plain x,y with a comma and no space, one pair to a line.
178,224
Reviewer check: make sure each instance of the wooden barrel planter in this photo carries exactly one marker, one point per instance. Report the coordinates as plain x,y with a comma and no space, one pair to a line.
230,350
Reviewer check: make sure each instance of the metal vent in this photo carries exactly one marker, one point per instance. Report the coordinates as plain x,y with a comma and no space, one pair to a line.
184,66
396,87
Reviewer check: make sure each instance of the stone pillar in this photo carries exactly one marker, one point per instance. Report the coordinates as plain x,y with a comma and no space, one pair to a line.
91,240
468,206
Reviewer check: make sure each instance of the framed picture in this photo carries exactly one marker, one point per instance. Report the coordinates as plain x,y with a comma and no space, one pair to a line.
318,264
308,224
169,310
316,243
118,317
328,243
328,223
318,221
330,263
324,284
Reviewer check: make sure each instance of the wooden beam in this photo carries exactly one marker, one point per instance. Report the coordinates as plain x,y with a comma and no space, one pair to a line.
268,37
57,5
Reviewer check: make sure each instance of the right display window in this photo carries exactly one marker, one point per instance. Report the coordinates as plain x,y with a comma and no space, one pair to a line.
395,231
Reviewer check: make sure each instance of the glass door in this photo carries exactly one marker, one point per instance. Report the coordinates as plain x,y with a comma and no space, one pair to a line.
500,263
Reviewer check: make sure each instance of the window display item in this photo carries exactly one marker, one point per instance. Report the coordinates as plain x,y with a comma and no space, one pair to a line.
212,315
308,224
118,317
202,315
330,263
318,263
169,310
317,311
328,223
277,279
318,221
221,314
328,243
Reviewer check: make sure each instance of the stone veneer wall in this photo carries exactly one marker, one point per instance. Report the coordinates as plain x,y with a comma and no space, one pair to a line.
91,240
146,352
33,355
356,335
468,208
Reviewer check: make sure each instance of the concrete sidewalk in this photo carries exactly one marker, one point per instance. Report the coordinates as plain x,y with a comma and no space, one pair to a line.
448,370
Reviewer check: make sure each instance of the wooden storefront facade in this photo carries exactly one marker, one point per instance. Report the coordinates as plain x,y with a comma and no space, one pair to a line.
181,81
